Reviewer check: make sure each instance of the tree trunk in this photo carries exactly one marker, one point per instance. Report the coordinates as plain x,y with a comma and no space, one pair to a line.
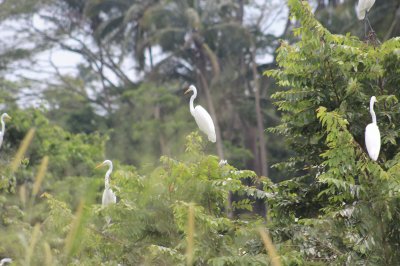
240,12
207,53
161,138
251,143
260,125
157,115
220,149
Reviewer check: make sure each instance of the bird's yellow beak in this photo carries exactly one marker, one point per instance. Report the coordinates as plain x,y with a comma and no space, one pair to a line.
8,117
187,91
99,165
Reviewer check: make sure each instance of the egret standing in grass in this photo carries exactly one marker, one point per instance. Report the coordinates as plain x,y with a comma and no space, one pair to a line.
3,126
108,195
372,134
202,117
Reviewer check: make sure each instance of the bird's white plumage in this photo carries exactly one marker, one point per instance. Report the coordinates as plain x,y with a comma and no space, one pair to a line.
363,7
1,138
372,134
108,197
202,117
5,260
373,141
3,126
205,123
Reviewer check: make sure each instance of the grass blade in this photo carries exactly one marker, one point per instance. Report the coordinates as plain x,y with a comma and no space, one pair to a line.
72,235
269,246
190,236
39,177
22,149
48,256
34,238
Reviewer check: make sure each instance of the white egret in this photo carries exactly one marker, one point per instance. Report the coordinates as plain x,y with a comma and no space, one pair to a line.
5,260
202,117
363,8
222,163
108,195
3,126
372,134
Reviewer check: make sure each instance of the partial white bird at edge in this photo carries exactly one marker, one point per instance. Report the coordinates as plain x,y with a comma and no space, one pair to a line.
3,127
5,260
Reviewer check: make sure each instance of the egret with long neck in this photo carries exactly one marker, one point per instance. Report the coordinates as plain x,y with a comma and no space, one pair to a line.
3,126
108,195
372,133
201,116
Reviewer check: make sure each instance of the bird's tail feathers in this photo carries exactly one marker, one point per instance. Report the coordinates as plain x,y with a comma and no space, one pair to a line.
361,15
212,138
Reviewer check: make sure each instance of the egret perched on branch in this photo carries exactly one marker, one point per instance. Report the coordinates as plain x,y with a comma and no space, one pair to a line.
108,195
202,117
3,126
372,134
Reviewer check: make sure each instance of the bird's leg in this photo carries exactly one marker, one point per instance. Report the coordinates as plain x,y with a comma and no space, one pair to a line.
371,37
369,24
365,28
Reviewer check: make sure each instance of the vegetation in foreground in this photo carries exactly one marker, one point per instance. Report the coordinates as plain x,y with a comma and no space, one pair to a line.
339,208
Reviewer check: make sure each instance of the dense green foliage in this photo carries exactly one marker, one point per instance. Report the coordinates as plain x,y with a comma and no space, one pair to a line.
338,206
148,224
346,204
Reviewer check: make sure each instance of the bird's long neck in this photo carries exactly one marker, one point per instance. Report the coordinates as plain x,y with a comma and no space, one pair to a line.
107,177
191,102
371,110
3,125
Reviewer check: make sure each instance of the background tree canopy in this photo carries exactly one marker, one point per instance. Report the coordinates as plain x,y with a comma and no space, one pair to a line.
289,96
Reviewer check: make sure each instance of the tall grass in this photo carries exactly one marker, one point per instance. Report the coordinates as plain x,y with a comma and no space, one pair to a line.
71,239
34,239
22,149
190,236
39,176
269,247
